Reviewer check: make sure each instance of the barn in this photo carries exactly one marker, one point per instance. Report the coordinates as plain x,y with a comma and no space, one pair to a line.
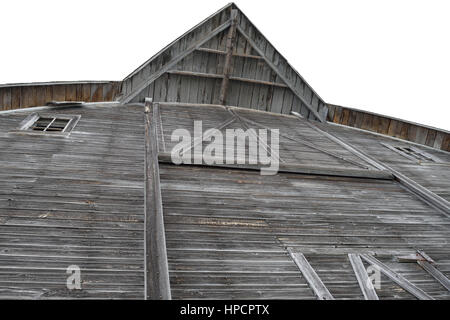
92,205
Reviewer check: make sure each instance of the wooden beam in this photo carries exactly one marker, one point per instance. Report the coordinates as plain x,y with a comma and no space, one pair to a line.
363,278
157,285
228,67
291,168
235,54
274,68
173,62
397,278
435,273
311,276
221,76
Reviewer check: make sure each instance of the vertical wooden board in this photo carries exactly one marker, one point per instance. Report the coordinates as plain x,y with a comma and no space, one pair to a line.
233,93
269,51
40,95
222,45
195,81
27,97
172,89
352,118
263,93
245,94
146,72
404,131
296,104
86,92
255,96
260,72
160,89
265,72
277,101
337,115
421,135
96,92
110,92
201,95
438,141
412,133
6,101
257,89
216,95
446,143
287,101
211,67
384,127
330,114
156,97
376,121
345,116
431,136
79,92
71,93
393,127
16,97
367,122
359,119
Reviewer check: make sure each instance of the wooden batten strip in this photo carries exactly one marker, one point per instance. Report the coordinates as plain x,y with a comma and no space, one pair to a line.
397,278
157,285
235,54
221,76
285,80
315,283
363,278
435,273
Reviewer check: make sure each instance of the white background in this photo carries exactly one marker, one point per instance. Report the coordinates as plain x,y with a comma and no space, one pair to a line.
390,57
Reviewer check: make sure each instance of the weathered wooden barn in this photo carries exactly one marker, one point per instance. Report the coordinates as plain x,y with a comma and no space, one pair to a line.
86,180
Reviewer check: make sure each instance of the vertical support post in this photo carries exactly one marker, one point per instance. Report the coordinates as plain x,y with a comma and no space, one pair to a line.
157,285
228,67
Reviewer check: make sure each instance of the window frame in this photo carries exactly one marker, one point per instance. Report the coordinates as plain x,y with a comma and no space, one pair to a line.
399,148
26,125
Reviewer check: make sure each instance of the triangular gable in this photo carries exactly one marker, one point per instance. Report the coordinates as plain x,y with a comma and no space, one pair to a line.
191,69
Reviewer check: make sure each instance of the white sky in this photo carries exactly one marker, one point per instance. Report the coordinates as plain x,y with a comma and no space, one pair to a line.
390,57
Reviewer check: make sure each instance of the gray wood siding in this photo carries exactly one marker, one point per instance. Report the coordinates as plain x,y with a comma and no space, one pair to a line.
73,201
434,176
227,233
431,137
20,96
293,134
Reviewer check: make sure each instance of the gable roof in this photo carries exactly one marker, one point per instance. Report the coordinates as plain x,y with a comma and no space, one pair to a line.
254,56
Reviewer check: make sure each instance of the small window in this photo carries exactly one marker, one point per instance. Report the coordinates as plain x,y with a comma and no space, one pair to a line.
412,153
45,124
50,124
421,156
